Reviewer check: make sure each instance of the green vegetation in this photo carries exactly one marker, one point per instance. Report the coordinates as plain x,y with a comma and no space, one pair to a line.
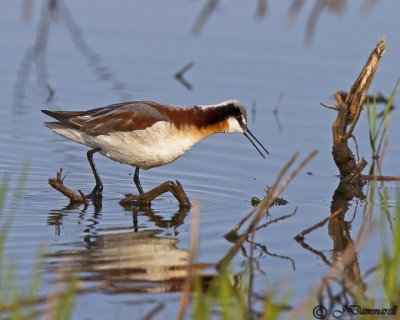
230,297
378,127
390,262
13,304
278,201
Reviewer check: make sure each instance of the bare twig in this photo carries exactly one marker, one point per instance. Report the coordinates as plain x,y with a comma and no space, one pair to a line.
329,107
58,184
276,220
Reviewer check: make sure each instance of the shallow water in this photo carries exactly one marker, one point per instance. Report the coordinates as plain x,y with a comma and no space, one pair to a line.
131,51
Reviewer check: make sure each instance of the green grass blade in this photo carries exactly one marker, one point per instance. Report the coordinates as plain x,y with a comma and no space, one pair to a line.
387,115
373,124
371,134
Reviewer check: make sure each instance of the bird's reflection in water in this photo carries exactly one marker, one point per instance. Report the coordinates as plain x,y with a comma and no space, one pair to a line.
128,260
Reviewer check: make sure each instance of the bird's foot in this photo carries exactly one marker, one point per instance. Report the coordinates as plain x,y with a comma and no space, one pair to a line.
146,198
97,193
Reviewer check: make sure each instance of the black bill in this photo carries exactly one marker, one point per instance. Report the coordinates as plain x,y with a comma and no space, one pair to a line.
246,132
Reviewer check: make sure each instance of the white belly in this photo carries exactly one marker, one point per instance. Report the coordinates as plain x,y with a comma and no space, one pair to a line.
155,146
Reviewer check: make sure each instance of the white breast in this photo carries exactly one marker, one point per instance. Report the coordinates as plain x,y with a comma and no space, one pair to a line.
155,146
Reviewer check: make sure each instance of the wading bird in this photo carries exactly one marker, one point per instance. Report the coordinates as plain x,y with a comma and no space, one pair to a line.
147,134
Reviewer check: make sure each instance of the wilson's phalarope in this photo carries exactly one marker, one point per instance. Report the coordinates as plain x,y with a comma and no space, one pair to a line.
147,134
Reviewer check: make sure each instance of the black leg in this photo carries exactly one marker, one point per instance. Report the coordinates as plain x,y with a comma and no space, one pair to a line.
98,188
136,180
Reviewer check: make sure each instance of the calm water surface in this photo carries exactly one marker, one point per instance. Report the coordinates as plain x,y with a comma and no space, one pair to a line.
97,55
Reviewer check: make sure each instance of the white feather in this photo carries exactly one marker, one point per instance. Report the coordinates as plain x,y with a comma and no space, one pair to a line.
155,146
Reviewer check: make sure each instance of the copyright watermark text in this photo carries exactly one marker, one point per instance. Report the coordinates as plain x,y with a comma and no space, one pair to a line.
321,312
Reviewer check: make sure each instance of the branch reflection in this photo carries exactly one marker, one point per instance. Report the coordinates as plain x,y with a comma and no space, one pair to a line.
344,283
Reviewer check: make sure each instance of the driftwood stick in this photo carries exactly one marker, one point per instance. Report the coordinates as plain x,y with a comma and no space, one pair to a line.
58,184
349,112
146,198
349,132
358,92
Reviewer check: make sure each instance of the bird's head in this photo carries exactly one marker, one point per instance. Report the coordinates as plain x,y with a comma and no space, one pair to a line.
236,116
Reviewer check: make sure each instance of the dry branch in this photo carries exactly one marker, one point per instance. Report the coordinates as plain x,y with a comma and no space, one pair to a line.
58,184
146,198
349,112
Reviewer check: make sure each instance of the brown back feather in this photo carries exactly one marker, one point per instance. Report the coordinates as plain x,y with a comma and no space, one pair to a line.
136,115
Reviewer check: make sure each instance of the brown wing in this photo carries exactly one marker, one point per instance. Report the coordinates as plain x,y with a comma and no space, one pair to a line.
127,116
